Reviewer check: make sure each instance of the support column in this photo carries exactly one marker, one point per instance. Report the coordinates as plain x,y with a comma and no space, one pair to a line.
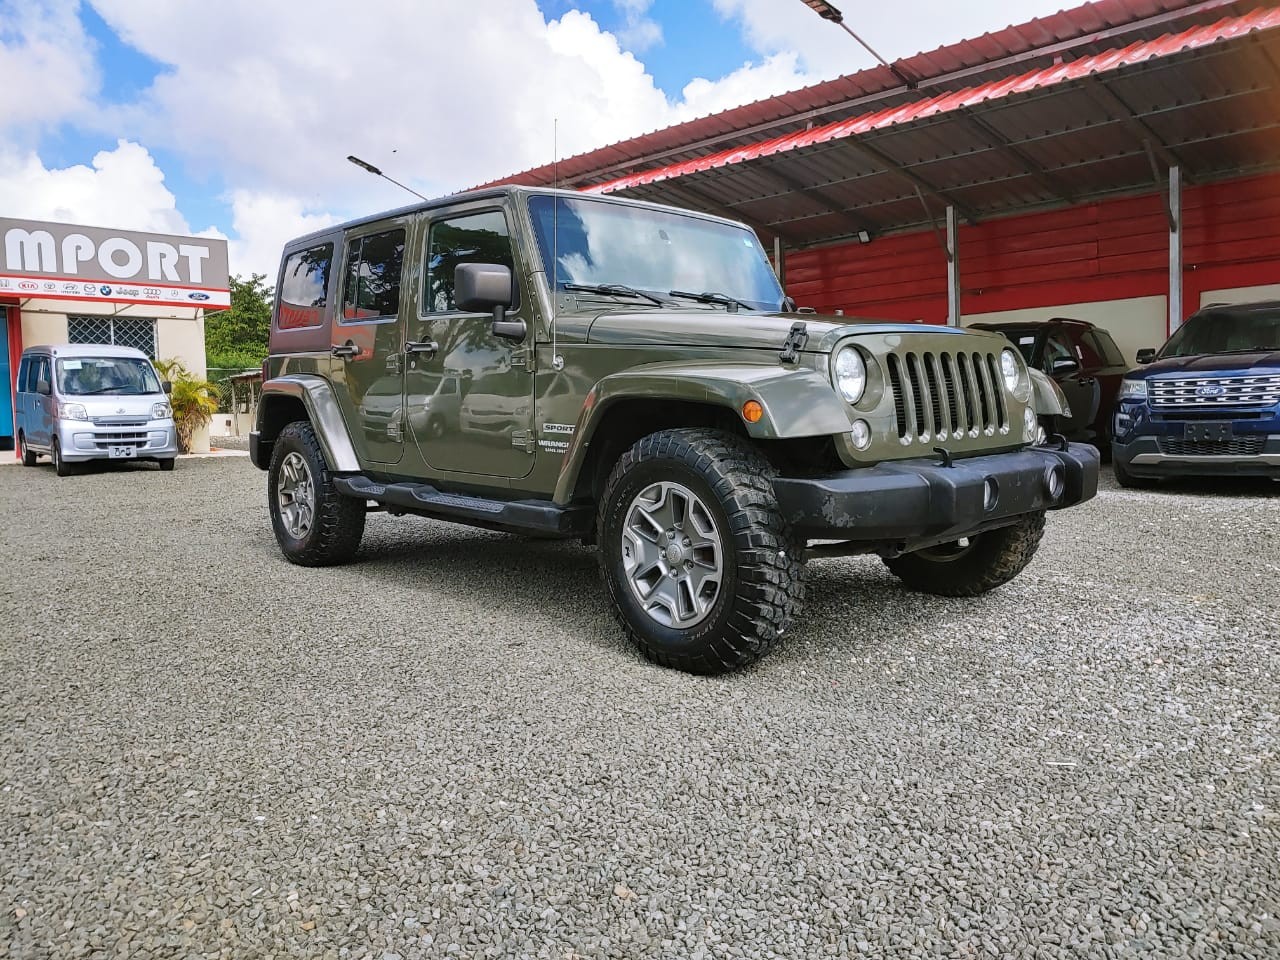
953,267
779,264
1175,249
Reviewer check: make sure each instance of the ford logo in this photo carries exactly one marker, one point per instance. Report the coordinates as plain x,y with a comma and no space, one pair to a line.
197,296
1210,390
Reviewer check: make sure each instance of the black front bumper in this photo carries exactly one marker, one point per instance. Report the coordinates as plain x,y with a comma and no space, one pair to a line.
911,502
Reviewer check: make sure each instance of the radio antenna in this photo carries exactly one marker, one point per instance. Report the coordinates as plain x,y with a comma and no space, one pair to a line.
557,361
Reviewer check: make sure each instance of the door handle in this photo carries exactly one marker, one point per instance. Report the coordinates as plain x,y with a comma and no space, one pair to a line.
346,351
428,347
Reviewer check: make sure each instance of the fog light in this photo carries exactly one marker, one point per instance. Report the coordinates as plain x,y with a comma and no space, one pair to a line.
990,494
1055,482
1028,425
860,434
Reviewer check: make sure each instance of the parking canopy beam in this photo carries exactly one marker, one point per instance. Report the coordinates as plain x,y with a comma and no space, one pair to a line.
953,267
1175,248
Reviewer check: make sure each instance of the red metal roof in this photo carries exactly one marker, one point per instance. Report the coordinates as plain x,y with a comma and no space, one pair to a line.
1097,64
1070,33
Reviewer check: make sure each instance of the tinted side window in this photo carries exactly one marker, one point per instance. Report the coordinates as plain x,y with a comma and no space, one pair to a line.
476,238
1107,348
41,370
303,285
24,367
374,266
1057,347
1087,345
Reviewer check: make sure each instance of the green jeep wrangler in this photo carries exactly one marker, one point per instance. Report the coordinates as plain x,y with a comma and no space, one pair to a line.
565,365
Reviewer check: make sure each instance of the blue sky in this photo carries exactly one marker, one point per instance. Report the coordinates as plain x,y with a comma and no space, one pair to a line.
234,118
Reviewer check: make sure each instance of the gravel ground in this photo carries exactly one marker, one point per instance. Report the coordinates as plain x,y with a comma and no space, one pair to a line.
229,443
446,750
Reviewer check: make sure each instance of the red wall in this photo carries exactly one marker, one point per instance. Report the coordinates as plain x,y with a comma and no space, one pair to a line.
1099,251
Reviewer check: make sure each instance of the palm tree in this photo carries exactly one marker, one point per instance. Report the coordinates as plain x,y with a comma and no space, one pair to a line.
193,399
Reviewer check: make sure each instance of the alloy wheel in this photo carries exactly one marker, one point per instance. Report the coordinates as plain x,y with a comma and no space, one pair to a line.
296,495
673,554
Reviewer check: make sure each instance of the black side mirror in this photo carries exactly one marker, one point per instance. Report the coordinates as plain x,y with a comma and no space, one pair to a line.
43,388
166,386
788,305
1064,365
1146,354
487,286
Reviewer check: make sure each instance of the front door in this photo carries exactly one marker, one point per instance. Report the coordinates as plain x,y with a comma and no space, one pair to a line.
367,344
1080,388
38,415
468,394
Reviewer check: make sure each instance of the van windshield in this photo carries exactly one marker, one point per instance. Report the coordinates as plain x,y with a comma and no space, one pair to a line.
113,376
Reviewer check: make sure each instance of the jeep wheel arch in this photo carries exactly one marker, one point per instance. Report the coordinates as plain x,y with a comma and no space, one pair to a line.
310,398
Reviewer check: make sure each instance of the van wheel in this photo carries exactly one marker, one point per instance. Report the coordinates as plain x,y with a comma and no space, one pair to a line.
972,565
28,456
167,464
703,573
60,466
315,525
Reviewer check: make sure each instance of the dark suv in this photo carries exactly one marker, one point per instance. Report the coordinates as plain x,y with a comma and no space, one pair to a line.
1207,403
1083,360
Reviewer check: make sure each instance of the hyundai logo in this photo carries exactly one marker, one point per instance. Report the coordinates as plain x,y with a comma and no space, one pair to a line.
1210,390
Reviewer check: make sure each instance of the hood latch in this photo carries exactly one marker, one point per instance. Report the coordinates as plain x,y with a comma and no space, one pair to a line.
794,343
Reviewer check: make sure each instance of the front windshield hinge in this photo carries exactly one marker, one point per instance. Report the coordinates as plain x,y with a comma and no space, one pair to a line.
794,343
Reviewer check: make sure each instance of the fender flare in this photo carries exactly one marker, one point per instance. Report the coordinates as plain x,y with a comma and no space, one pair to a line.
796,402
322,409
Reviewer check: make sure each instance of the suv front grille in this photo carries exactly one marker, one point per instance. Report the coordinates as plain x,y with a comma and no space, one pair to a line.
941,395
1215,391
1234,447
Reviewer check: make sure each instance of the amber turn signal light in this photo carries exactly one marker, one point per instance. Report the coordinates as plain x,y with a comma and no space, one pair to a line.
752,411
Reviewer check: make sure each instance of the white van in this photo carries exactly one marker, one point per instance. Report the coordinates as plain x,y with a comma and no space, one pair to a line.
81,402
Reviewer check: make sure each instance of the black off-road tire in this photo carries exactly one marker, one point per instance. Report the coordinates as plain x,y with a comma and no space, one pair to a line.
338,522
60,466
762,585
992,559
1128,480
28,456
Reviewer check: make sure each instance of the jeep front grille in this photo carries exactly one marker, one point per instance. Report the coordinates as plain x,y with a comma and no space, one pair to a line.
1249,446
937,396
1215,391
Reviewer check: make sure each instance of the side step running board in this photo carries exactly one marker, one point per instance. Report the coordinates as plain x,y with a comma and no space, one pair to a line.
528,516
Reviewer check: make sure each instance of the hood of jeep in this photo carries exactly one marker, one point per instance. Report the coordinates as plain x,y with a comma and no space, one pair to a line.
744,329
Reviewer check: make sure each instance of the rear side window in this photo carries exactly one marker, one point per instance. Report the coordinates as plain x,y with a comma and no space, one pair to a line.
1107,348
24,368
475,238
374,267
304,283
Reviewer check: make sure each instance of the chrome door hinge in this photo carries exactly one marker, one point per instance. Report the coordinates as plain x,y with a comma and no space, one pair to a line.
522,440
395,363
522,359
395,428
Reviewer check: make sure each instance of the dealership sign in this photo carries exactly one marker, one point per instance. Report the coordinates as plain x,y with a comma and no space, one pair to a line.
58,261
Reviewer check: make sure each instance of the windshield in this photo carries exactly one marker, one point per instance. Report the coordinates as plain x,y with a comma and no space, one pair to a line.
1225,333
113,376
597,242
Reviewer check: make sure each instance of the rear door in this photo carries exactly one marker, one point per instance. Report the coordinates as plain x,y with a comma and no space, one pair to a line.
368,340
40,407
1079,385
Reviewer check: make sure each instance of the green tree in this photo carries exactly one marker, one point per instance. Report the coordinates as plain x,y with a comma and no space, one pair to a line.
236,338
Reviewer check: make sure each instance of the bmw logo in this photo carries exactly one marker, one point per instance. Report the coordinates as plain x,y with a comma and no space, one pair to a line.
1209,390
104,290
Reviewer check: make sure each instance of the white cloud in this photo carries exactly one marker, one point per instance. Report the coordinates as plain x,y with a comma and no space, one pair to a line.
639,31
123,188
47,70
263,222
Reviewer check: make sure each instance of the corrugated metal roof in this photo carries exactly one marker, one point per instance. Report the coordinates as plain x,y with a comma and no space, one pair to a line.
1071,33
1101,63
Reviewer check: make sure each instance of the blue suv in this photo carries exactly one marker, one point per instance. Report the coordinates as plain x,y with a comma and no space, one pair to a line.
1208,403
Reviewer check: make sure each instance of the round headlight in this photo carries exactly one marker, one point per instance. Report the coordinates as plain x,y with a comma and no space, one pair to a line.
850,374
1009,369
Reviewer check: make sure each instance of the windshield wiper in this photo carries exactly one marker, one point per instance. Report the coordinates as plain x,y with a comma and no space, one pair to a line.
100,390
612,289
733,303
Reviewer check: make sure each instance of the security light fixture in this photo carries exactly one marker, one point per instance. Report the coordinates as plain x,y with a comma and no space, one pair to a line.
365,165
827,12
864,236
